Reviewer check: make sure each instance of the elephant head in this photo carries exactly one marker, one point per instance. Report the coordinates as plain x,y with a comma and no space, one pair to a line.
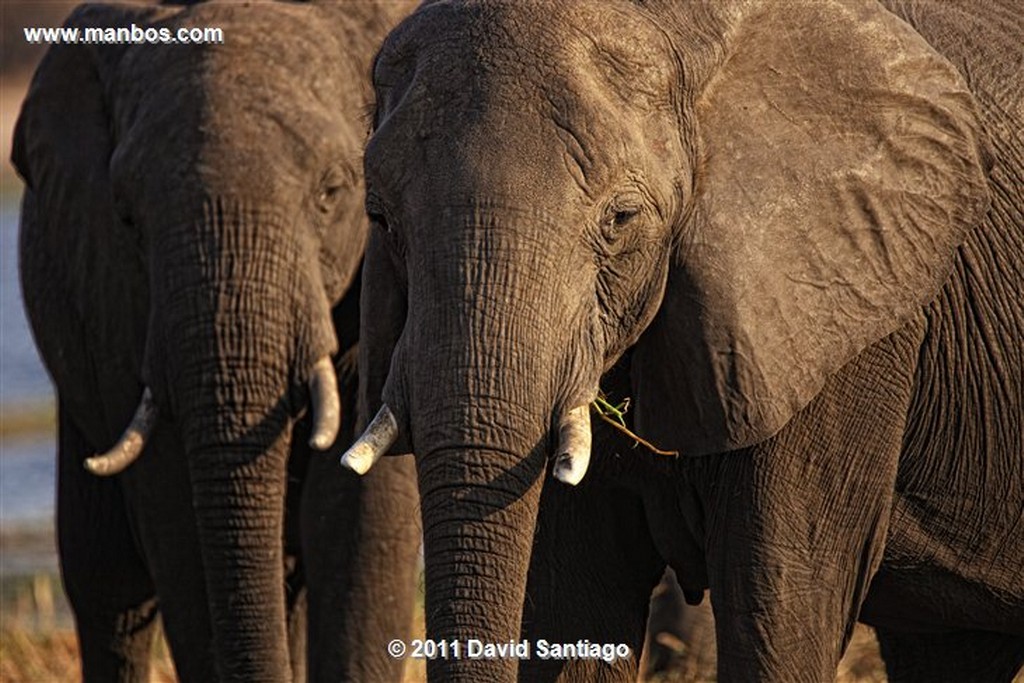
746,193
192,214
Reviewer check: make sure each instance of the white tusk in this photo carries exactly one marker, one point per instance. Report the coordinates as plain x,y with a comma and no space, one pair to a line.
129,447
323,389
574,439
379,436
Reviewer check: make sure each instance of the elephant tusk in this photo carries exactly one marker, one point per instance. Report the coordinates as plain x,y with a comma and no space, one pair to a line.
379,436
323,389
574,440
128,449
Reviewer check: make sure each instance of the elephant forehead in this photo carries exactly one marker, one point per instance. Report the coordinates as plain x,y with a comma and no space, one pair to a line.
266,93
274,54
509,49
512,94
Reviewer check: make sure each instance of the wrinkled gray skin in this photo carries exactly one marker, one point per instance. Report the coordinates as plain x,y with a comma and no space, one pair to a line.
804,224
191,223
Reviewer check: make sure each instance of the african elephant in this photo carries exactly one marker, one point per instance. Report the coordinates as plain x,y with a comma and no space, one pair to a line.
797,230
191,224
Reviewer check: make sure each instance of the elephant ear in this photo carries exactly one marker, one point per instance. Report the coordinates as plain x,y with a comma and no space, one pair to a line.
63,142
842,165
64,128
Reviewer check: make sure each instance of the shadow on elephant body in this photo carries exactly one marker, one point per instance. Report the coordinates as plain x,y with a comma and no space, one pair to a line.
592,571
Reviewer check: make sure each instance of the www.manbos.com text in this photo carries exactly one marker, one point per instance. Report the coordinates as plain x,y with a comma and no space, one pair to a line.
124,35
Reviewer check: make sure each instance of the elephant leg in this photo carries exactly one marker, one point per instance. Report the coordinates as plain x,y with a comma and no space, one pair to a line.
360,541
295,592
960,657
297,613
159,500
592,571
104,576
796,526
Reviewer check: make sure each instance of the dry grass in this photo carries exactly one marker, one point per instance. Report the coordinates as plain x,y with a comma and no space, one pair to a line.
862,662
28,657
37,643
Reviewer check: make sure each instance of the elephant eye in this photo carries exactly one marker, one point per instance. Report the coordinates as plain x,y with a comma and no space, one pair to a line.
391,236
623,216
328,195
617,219
336,179
379,221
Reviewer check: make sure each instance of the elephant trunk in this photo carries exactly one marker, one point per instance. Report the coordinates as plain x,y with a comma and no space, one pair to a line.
238,494
238,328
480,485
477,537
483,397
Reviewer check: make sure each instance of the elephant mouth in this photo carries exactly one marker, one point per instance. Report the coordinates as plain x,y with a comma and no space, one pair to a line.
325,404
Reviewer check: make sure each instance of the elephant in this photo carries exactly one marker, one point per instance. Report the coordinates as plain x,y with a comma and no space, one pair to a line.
191,234
791,235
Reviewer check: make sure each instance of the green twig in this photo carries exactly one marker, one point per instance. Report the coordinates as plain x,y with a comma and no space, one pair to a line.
614,415
603,407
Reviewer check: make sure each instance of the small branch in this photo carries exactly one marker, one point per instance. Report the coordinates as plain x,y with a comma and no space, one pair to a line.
625,430
603,407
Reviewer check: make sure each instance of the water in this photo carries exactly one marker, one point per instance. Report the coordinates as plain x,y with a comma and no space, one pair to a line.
22,377
27,479
27,461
